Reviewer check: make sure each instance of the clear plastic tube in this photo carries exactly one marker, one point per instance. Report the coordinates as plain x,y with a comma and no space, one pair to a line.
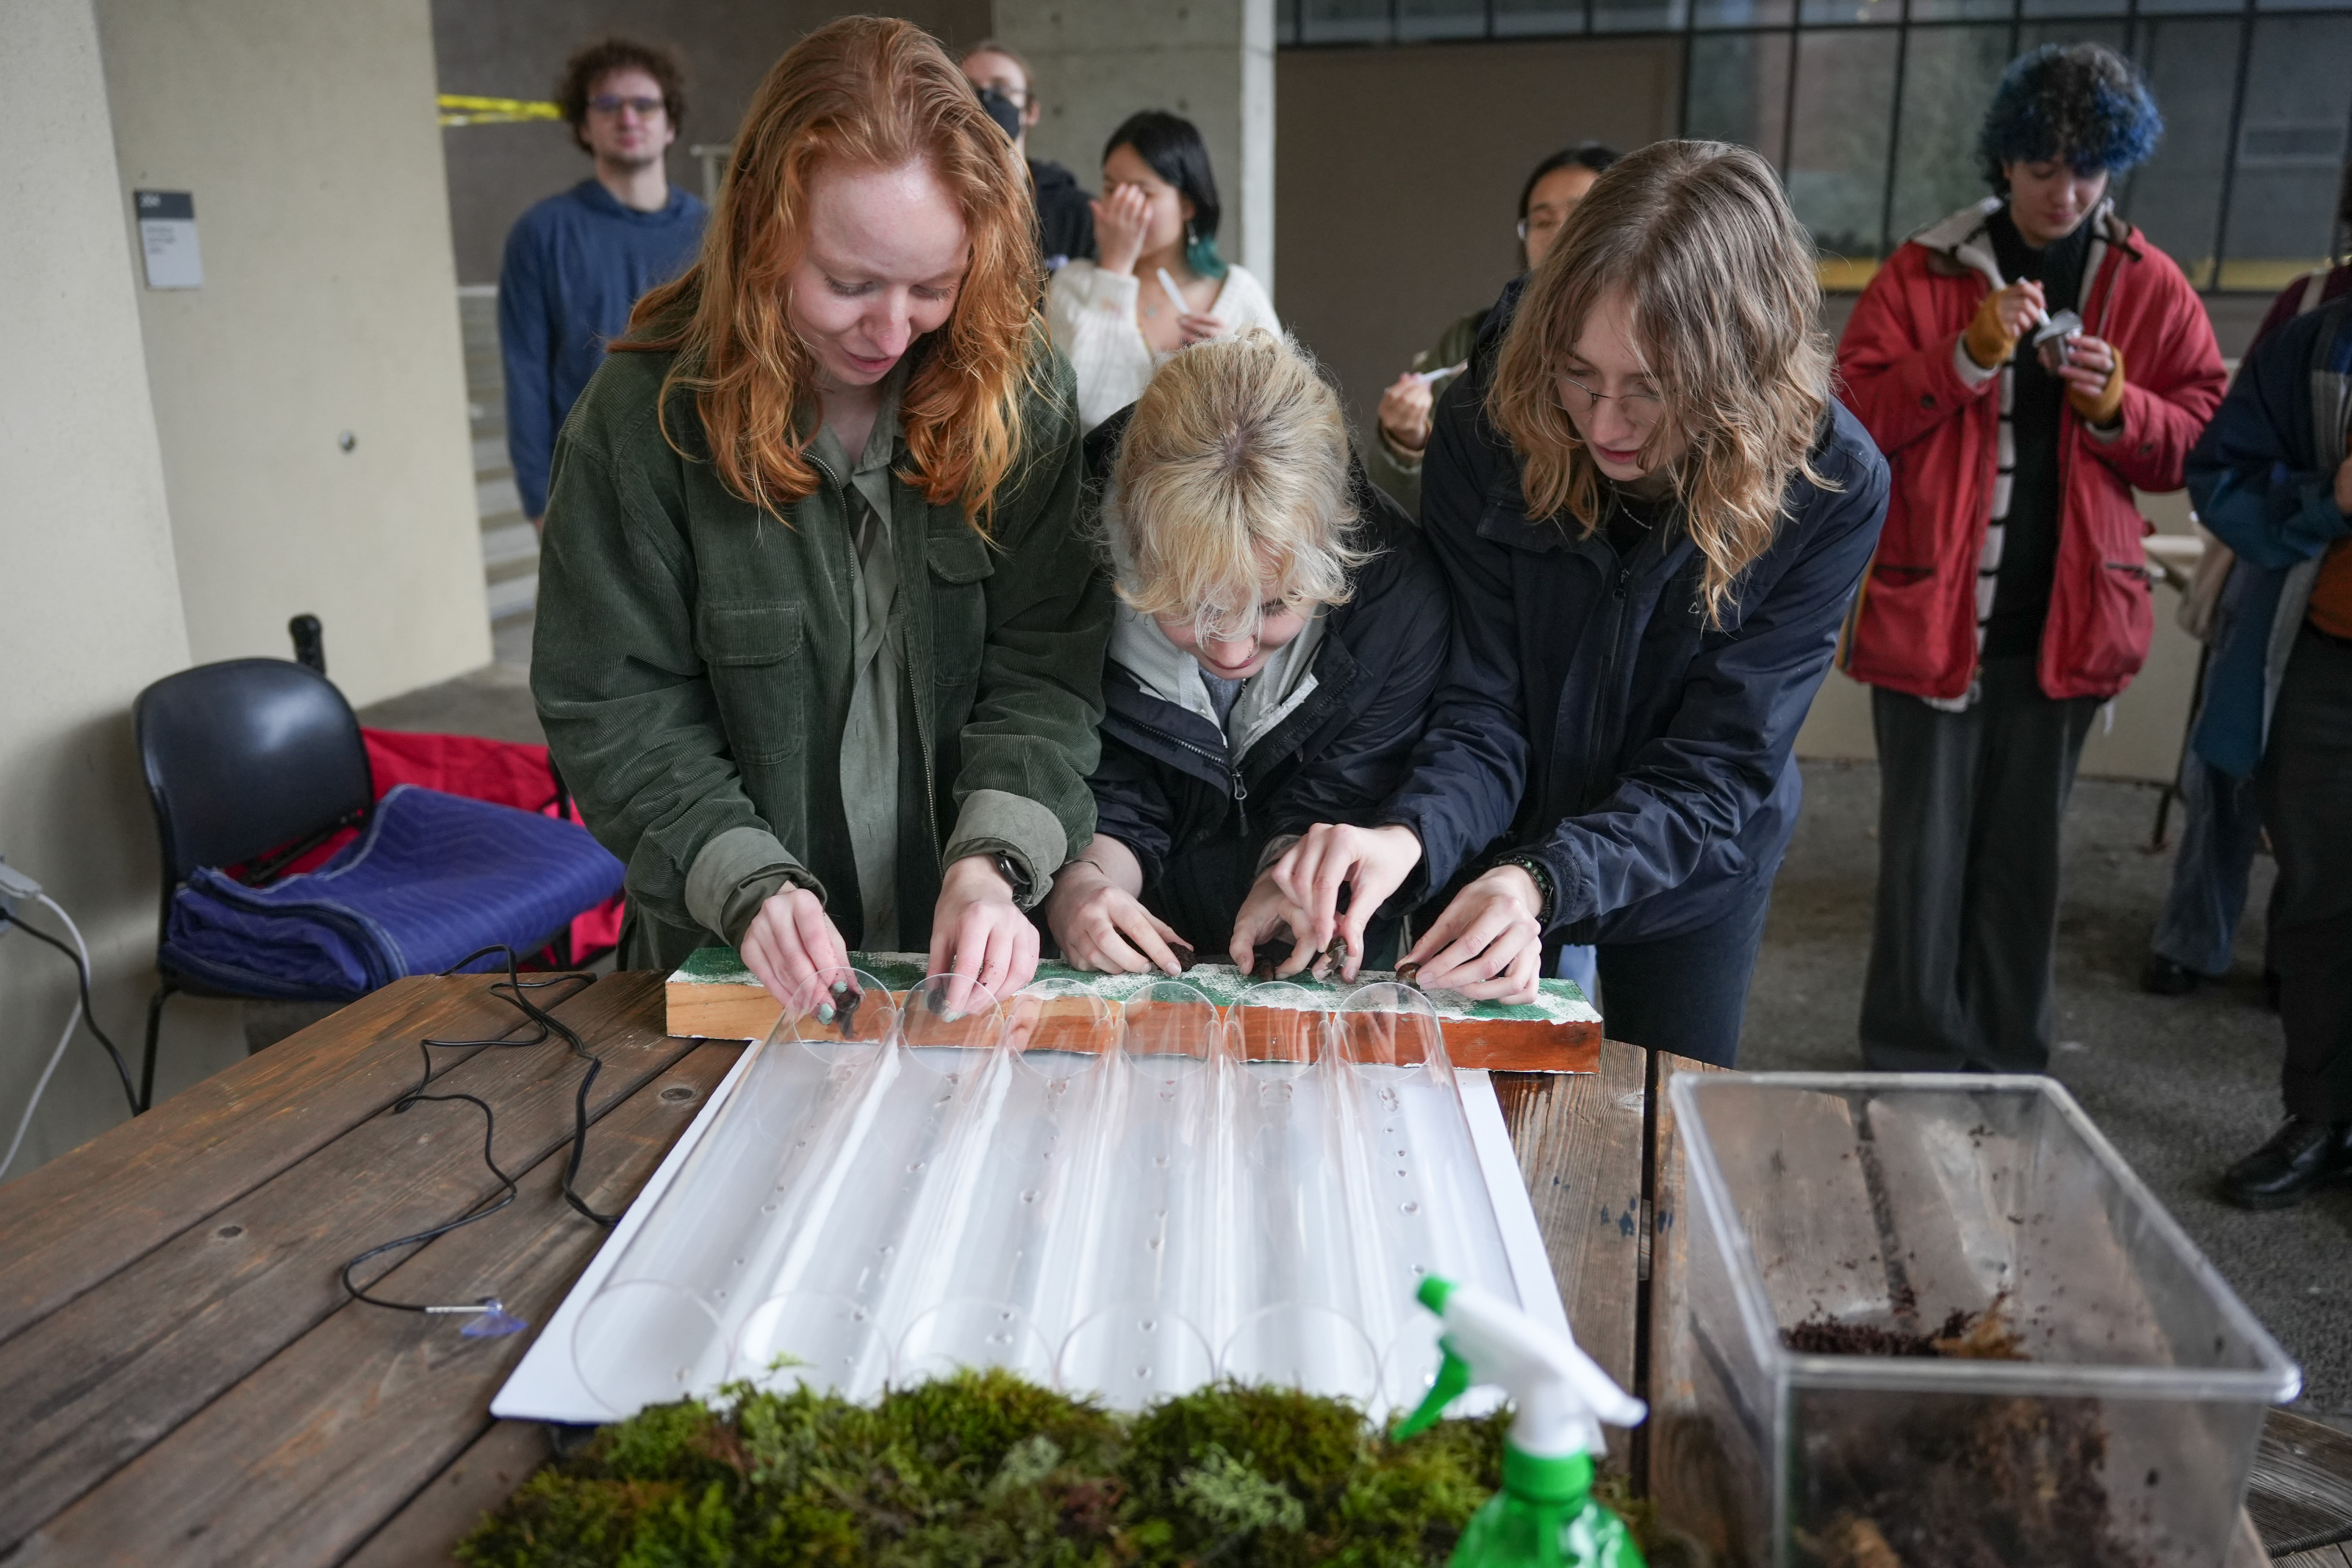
660,1326
835,1302
1144,1289
1415,1191
984,1286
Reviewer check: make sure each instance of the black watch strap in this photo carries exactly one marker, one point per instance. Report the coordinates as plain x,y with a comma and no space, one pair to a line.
1010,869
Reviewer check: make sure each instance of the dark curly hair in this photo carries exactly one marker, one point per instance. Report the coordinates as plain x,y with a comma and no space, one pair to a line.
2080,102
592,62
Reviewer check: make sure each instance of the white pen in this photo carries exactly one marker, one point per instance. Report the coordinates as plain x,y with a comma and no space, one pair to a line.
1425,377
1174,293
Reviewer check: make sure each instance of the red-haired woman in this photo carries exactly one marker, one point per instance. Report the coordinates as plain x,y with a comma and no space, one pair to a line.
818,651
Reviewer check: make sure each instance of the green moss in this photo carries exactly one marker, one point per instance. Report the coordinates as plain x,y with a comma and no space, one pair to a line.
984,1470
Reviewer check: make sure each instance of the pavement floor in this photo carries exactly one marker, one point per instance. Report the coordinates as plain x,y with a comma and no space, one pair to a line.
2182,1086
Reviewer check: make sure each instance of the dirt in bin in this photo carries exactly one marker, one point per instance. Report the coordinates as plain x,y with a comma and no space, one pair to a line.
1993,1483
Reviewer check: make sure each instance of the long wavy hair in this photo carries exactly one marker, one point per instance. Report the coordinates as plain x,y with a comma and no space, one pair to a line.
864,92
1727,314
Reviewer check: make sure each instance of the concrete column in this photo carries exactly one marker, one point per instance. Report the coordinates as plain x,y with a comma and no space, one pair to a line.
1211,61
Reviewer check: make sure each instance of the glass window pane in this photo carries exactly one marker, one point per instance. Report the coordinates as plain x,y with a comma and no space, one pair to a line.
1638,15
1742,13
1344,22
1536,18
1949,76
2033,34
1837,146
1740,92
1419,19
2290,150
1961,10
2075,8
1842,13
2175,196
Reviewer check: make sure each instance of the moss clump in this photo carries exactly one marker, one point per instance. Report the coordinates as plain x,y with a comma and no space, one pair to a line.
985,1468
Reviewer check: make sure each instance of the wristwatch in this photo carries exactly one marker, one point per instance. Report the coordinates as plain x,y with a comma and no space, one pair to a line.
1010,870
1545,894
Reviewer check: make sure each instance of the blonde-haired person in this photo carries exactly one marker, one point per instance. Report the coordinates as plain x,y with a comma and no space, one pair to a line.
819,648
1653,514
1281,626
1156,220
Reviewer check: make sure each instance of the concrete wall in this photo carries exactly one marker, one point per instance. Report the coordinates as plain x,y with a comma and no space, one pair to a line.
517,49
1211,61
92,593
1398,175
306,134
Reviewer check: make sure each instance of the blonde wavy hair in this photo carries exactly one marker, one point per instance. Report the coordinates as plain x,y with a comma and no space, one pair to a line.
865,92
1727,314
1233,472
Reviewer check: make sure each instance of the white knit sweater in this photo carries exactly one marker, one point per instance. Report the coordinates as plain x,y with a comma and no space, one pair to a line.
1092,315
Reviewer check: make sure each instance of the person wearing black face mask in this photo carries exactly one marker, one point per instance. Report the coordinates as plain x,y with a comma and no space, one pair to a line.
1066,219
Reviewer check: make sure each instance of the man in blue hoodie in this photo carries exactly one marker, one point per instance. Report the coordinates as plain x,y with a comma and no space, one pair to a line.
576,262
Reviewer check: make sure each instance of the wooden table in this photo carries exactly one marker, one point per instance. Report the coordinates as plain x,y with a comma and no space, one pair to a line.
184,1381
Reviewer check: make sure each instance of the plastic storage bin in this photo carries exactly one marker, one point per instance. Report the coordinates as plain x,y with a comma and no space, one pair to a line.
2121,1427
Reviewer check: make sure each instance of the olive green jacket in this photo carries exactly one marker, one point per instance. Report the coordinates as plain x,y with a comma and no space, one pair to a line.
1399,472
692,665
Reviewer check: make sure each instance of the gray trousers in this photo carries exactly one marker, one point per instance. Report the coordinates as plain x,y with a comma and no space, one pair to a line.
2220,827
1962,957
2307,789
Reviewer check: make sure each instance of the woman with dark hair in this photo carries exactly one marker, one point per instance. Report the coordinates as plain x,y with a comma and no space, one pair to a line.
1652,512
1155,224
2010,597
1549,194
820,646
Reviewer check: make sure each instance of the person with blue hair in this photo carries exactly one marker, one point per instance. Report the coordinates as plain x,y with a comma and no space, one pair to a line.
2025,364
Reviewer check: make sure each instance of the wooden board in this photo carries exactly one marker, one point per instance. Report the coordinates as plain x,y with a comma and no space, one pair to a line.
706,1010
82,1217
1580,1140
360,1415
2301,1492
92,1386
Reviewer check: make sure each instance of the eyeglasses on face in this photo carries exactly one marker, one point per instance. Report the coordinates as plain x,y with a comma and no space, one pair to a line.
613,103
1640,407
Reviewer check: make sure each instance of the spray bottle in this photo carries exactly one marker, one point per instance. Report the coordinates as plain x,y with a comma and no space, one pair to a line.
1545,1513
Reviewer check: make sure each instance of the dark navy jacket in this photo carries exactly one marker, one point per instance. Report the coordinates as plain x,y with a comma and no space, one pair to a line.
2263,478
1590,716
575,266
1198,818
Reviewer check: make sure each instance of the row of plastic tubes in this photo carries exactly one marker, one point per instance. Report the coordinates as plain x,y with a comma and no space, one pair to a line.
1123,1199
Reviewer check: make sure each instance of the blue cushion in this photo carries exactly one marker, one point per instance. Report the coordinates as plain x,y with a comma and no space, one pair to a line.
433,878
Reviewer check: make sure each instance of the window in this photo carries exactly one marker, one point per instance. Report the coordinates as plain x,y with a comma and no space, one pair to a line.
1870,107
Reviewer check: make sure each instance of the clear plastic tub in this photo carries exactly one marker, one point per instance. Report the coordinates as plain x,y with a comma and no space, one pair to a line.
2108,1412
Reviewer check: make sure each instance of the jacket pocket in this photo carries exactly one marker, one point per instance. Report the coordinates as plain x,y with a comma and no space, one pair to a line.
2114,645
753,656
959,568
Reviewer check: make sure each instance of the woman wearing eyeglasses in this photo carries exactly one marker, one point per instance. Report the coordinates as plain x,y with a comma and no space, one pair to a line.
1652,512
1551,193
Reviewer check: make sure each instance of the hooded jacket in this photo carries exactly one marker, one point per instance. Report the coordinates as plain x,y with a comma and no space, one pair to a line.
1914,626
1323,734
2263,477
1590,715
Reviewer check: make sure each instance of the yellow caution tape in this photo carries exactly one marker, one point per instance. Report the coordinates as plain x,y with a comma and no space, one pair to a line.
460,108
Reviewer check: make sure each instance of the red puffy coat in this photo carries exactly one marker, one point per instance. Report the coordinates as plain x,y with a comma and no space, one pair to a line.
1912,627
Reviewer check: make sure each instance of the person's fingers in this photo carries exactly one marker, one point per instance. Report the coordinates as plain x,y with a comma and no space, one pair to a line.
1023,968
819,944
996,959
760,957
1473,955
1135,924
1442,931
1251,926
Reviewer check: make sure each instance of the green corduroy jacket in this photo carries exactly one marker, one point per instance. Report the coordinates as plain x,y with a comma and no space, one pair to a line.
692,667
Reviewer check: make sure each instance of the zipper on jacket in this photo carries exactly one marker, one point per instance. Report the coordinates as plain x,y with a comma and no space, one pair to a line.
1228,764
1607,695
1240,798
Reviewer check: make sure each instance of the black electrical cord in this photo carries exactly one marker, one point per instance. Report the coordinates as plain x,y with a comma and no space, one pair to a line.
509,990
89,1017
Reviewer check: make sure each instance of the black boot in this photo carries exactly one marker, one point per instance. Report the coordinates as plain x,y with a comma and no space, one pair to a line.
2167,978
2301,1158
